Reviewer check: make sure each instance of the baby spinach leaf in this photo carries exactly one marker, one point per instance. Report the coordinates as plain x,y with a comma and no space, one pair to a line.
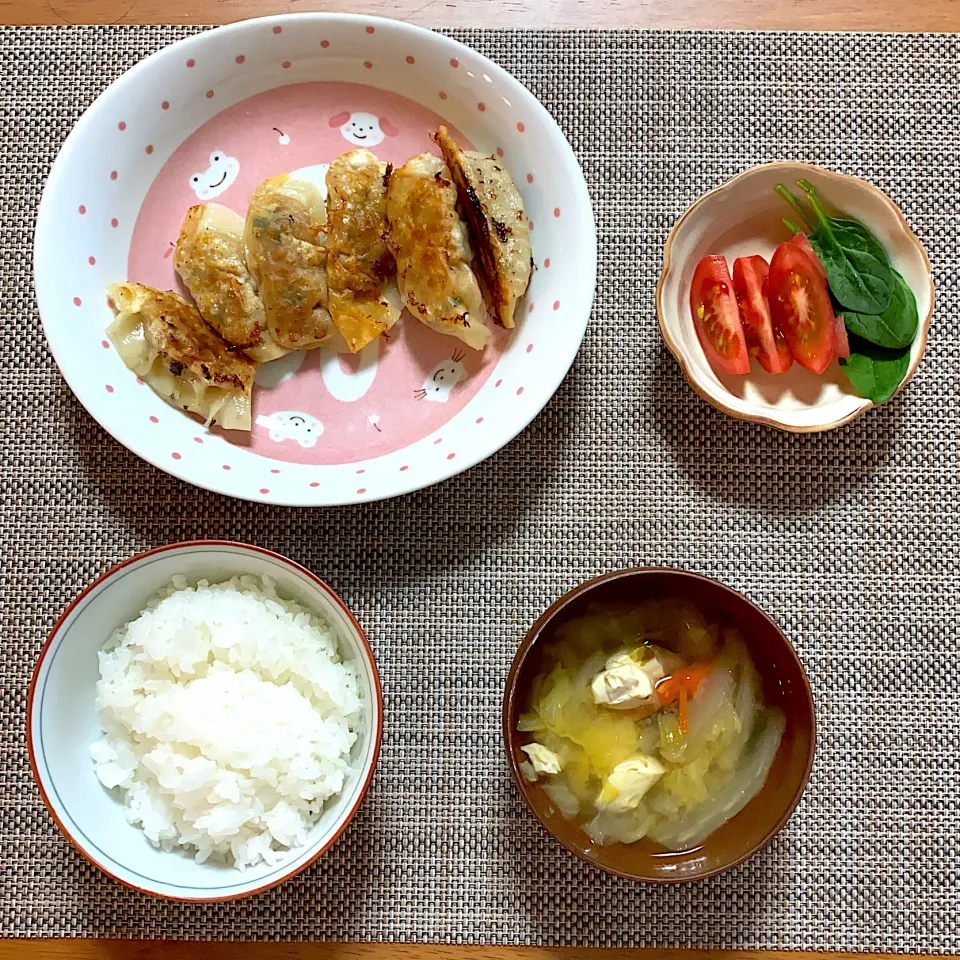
875,372
858,271
896,326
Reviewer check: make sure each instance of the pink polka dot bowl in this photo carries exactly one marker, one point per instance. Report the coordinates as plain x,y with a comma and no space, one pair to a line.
62,721
210,117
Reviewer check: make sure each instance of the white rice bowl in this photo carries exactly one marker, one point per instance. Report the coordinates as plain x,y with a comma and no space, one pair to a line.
228,719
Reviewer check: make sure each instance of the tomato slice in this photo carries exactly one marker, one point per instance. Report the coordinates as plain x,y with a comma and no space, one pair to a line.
763,341
716,317
802,241
843,343
800,306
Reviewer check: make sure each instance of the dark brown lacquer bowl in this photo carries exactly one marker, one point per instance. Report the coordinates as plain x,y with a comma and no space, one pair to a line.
785,686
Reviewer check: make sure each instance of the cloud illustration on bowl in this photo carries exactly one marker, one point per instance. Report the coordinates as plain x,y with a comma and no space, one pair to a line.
349,386
277,372
316,174
363,129
293,425
219,176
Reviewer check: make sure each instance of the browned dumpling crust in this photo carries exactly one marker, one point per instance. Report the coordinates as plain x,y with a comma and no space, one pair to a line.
212,262
165,341
286,254
431,246
362,293
498,224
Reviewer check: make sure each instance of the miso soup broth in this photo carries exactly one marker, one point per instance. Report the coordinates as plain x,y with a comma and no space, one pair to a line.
648,720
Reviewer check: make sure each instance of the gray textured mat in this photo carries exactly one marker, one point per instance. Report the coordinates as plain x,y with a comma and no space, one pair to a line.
849,539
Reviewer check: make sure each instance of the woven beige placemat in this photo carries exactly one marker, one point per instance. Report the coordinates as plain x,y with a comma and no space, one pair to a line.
849,539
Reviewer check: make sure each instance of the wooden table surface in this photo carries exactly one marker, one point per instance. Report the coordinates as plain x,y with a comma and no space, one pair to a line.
884,15
165,950
887,15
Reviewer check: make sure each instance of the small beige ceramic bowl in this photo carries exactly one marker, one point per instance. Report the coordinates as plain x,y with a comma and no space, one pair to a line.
743,217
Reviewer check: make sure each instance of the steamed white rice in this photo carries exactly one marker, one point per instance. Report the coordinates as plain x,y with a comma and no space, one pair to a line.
228,718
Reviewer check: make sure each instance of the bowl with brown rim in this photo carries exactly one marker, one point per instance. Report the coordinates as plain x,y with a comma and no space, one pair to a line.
63,721
742,217
785,686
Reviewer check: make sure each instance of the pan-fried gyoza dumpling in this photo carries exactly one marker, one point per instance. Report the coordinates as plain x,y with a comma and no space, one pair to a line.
363,297
432,250
286,254
211,260
163,339
497,221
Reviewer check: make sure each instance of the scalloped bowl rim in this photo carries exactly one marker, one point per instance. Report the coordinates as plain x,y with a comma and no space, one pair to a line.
669,265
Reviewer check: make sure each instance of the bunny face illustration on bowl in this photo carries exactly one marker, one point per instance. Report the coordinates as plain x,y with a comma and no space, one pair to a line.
442,379
363,129
219,176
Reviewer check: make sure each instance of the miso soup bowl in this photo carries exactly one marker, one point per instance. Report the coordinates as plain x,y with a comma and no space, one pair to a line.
785,686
